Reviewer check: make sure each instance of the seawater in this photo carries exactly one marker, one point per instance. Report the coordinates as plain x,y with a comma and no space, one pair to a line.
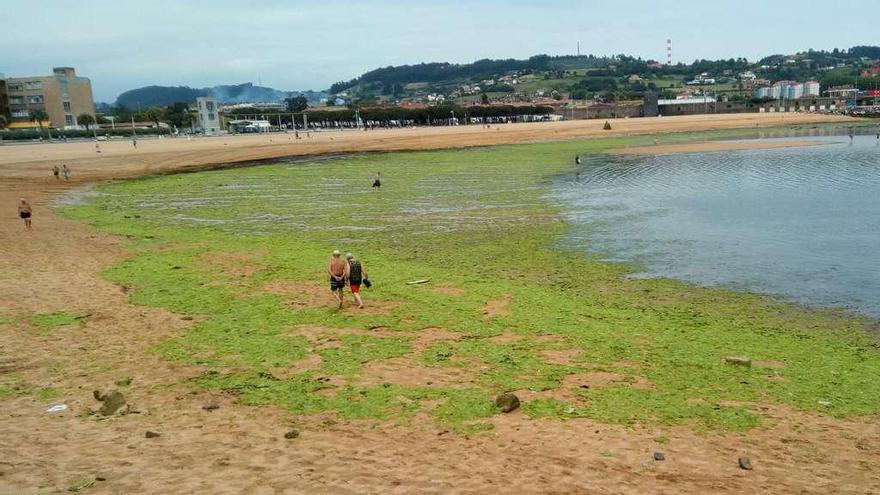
801,223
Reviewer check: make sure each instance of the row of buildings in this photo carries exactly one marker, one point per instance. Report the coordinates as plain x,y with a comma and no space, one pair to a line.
63,96
789,90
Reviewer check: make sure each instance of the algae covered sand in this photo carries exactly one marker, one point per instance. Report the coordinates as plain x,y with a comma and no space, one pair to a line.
243,252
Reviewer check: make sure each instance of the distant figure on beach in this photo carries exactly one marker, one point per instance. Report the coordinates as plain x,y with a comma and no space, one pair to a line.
377,181
25,211
65,172
134,142
356,274
56,171
577,159
97,147
338,271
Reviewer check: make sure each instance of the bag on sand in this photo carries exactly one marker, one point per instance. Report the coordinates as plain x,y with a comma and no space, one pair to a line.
367,282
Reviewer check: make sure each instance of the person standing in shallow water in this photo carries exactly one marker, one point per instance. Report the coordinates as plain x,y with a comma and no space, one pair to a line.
338,270
25,212
377,181
65,172
356,274
56,171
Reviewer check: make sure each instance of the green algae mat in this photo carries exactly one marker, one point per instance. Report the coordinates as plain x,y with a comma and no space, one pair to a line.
243,251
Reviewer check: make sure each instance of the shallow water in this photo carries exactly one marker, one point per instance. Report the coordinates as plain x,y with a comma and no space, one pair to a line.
801,223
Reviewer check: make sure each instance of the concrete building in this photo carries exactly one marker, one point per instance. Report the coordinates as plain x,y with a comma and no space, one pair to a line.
209,114
4,101
788,89
64,96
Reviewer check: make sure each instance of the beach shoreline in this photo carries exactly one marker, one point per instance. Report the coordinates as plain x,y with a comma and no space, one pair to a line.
239,448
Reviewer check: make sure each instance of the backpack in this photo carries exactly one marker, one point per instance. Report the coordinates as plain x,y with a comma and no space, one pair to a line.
354,272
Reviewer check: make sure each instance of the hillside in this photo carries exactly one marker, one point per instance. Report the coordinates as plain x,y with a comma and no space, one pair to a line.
150,96
617,77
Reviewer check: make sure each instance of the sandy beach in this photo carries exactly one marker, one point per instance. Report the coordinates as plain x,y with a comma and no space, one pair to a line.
241,449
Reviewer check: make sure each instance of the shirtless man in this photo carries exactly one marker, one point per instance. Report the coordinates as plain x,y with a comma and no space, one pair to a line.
25,211
338,270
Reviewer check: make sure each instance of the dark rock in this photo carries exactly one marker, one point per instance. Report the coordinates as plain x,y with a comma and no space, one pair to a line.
745,463
210,406
585,386
293,433
659,456
507,402
112,399
738,361
152,434
186,318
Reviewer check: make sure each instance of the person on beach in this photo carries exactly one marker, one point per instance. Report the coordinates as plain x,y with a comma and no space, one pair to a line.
338,271
65,172
25,211
377,181
577,159
56,171
356,274
134,142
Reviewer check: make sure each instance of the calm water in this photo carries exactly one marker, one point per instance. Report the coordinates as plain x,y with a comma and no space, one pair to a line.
801,223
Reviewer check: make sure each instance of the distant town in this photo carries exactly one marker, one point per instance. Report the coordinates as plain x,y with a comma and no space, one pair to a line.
538,88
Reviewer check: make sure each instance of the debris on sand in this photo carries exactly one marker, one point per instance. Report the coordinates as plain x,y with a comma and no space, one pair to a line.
152,434
659,456
738,361
507,402
293,433
112,399
210,406
745,463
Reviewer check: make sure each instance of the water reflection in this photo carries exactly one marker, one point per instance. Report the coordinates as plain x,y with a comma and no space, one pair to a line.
802,223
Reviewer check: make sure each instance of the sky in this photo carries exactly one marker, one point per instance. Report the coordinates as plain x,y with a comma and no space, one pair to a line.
294,45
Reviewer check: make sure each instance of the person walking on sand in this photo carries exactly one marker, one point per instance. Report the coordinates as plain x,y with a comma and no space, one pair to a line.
56,171
65,172
338,271
377,181
25,211
356,274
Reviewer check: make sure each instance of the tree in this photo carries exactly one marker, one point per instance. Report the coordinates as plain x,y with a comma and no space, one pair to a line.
86,119
484,99
296,104
39,115
154,115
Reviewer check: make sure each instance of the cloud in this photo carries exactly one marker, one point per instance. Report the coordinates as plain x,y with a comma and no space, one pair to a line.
302,45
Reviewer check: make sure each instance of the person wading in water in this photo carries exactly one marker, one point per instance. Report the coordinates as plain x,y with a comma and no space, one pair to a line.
338,271
377,181
356,274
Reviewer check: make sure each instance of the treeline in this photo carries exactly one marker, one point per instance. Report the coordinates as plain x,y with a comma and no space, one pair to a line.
418,116
481,69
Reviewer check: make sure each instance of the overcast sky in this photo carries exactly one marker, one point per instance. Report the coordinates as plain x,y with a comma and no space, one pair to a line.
293,45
